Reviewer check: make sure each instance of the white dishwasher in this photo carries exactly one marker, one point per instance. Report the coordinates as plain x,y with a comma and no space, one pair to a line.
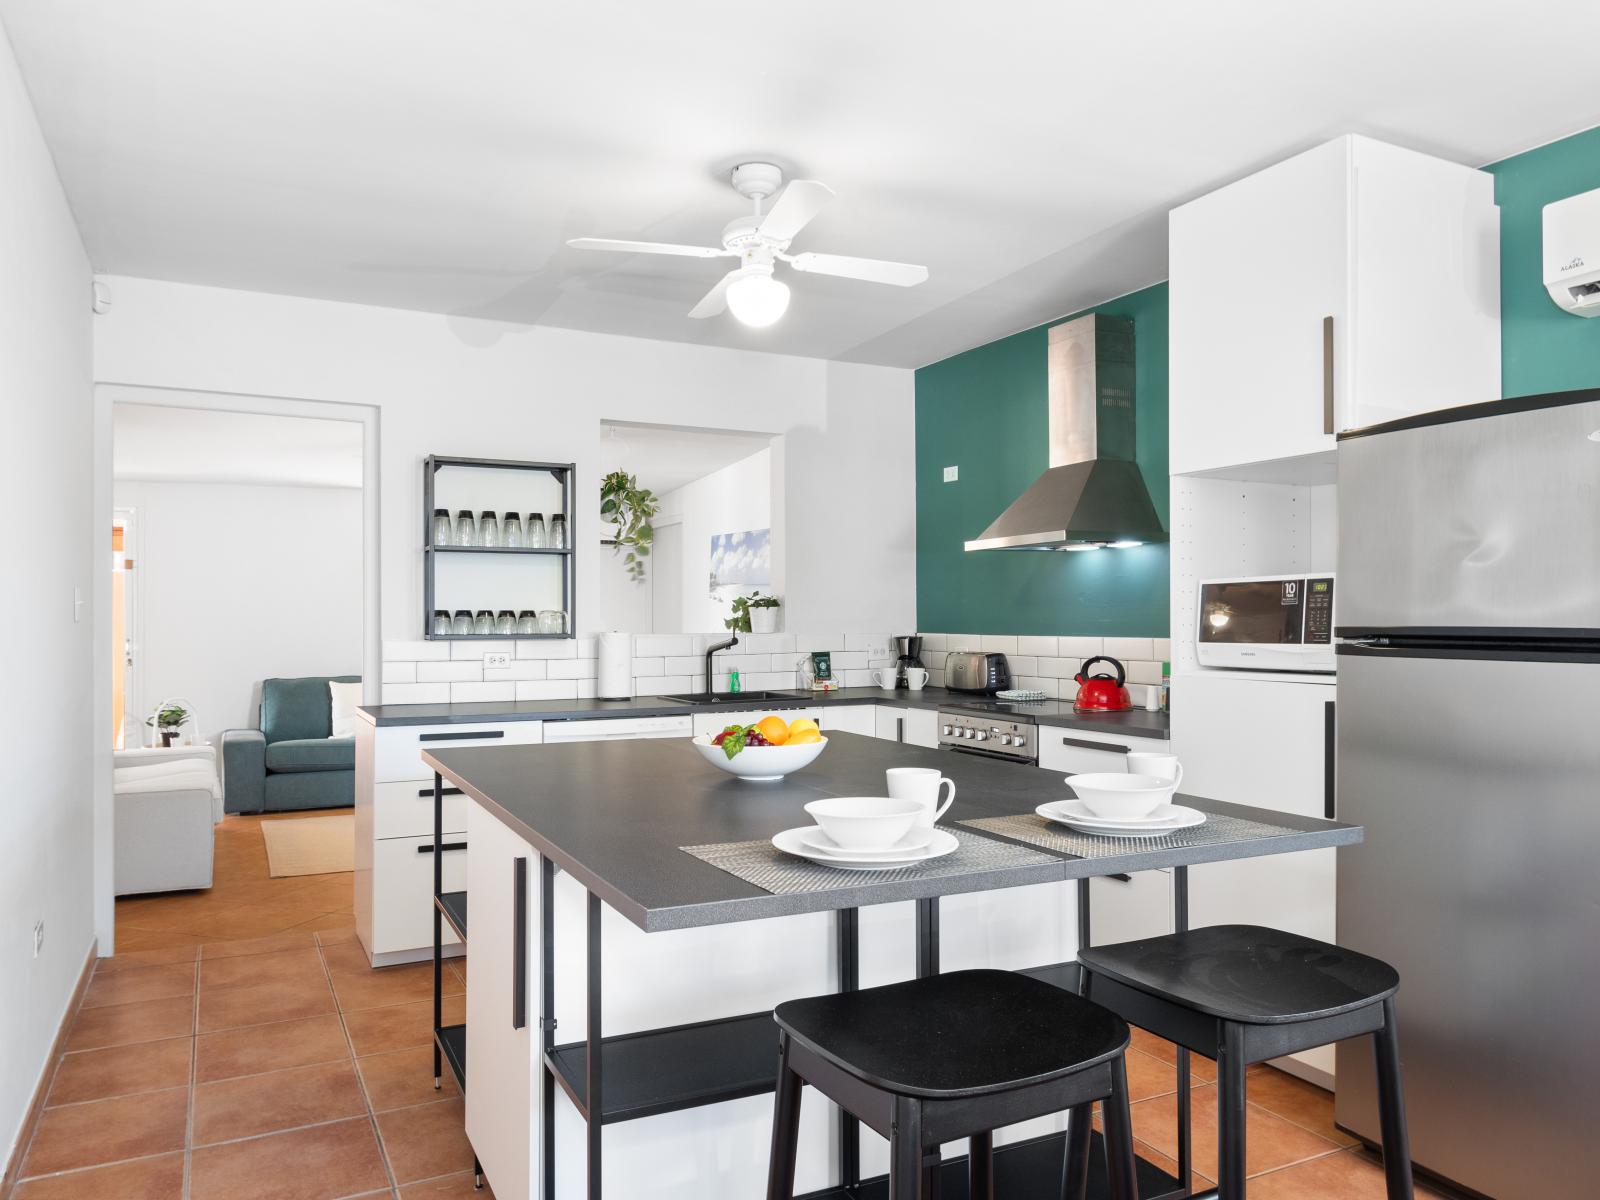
617,729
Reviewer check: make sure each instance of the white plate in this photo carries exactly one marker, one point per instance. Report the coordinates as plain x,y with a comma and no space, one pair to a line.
792,841
1186,818
819,841
1077,810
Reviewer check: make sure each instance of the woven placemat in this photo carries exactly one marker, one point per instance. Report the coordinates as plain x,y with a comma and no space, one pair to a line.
1036,831
763,864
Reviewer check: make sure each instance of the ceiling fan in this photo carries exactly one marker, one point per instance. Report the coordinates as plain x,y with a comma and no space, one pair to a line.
759,240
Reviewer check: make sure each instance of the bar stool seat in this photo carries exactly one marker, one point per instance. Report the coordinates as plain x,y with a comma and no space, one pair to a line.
955,1056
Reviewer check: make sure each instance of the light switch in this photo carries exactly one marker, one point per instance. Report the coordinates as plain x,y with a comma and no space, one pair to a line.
951,474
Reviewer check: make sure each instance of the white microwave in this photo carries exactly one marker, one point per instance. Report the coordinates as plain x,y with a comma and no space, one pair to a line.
1266,622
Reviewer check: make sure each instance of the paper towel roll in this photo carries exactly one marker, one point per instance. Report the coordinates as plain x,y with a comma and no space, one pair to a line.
616,666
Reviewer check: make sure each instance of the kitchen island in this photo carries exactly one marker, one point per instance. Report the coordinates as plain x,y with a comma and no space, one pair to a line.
674,963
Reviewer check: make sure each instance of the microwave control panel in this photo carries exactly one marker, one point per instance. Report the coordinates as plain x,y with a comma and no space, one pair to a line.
1319,612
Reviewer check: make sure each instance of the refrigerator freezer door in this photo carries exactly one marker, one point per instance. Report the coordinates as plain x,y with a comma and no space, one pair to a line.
1477,881
1484,525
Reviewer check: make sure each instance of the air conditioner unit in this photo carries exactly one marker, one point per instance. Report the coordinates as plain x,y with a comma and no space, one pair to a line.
1572,253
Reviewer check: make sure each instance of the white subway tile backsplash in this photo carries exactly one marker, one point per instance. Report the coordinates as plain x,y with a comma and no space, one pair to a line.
450,672
1058,668
685,664
933,643
558,648
520,668
648,666
963,641
659,645
416,693
479,693
1039,647
400,672
874,644
999,643
474,651
588,689
767,643
414,651
1143,671
858,678
665,685
1126,648
1050,687
1163,649
546,689
1023,664
572,668
807,642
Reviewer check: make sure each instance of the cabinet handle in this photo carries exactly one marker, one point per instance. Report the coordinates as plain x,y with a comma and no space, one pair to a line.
519,944
428,792
1327,374
461,737
899,729
1120,877
1085,744
428,849
1330,730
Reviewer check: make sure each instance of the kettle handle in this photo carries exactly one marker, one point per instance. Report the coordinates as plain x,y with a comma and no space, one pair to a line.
1083,671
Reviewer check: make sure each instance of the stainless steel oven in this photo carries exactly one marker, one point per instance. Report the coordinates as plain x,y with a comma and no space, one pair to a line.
999,736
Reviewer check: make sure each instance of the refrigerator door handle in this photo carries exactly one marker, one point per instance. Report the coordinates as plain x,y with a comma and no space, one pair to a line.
1327,374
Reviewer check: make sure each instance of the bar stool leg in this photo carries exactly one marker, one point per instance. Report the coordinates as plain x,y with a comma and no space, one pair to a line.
1123,1174
980,1166
1231,1115
785,1128
1392,1108
905,1150
932,1174
1075,1169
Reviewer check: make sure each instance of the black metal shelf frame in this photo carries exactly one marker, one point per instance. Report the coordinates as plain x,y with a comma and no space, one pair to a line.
449,1041
565,475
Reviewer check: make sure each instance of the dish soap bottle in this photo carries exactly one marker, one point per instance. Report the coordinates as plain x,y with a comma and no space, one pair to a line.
733,682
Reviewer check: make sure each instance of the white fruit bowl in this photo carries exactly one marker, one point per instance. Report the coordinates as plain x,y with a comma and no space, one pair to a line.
760,763
1114,794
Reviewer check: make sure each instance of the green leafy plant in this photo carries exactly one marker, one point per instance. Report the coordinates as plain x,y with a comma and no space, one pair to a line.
632,508
170,718
740,621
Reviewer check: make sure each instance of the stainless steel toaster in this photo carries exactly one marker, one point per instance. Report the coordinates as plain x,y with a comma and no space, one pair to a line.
973,671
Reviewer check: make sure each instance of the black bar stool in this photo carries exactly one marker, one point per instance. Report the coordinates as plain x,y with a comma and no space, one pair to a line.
955,1056
1242,994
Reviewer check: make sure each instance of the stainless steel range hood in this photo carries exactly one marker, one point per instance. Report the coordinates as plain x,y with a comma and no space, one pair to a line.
1092,495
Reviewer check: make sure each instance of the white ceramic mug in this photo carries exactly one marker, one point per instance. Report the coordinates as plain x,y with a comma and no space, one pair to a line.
922,784
1162,766
886,677
916,678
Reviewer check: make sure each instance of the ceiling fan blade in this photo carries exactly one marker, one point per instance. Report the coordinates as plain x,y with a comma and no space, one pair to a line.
587,243
714,301
873,270
794,208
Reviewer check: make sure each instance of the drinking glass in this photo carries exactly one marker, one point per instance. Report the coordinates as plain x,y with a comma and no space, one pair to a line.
547,621
488,529
441,620
442,530
558,531
461,625
483,623
505,624
533,532
466,529
511,531
527,621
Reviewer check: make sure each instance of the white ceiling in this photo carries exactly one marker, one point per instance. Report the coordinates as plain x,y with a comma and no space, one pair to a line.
190,445
436,156
665,457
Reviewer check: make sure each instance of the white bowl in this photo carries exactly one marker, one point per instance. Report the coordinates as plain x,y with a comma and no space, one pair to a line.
865,822
759,763
1114,794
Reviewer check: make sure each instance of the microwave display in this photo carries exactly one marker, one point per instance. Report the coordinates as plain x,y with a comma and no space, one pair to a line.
1267,612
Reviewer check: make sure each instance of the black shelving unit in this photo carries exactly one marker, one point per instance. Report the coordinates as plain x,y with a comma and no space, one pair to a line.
449,1041
564,474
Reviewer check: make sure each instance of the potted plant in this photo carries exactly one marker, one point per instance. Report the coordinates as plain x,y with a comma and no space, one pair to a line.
631,508
168,722
754,613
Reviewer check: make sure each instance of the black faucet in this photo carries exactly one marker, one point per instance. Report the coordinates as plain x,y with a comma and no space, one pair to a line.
710,650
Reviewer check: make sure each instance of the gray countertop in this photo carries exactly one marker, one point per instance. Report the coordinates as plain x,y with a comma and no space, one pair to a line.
615,814
1135,722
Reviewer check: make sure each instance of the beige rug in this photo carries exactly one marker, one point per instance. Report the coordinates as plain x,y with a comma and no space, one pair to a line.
310,845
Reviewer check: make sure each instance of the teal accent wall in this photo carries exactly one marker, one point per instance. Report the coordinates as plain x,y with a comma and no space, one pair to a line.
985,411
1543,349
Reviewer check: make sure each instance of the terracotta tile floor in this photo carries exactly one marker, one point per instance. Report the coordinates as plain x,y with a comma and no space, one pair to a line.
238,1047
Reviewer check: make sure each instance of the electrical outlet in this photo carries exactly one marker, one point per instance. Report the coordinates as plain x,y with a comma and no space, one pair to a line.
502,659
38,937
951,474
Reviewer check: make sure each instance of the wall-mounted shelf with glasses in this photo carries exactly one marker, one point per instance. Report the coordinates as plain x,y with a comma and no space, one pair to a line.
497,549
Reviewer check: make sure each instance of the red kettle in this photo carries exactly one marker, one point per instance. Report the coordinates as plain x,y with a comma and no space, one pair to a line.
1102,693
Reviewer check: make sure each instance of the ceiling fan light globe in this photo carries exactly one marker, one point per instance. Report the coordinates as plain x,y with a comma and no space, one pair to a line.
758,300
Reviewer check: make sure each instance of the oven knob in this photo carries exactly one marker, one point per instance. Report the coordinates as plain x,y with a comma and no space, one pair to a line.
982,735
1005,739
945,730
967,733
1016,738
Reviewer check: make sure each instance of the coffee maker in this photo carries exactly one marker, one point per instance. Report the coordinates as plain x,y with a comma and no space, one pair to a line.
910,656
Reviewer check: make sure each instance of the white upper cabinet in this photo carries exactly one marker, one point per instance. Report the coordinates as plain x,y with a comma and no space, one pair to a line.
1352,284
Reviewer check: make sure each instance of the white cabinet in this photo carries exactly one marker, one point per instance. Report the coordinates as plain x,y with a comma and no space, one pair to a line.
1355,283
402,891
1079,751
398,748
1124,908
850,718
889,723
922,727
501,1071
716,722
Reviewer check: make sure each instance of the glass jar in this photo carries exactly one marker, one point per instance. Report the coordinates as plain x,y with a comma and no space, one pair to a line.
511,531
527,621
483,623
466,528
441,620
505,623
461,624
443,531
488,530
558,531
533,532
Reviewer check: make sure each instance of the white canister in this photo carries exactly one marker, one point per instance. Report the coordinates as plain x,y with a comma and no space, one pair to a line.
615,668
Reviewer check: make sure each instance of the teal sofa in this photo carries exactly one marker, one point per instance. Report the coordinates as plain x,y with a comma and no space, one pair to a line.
290,762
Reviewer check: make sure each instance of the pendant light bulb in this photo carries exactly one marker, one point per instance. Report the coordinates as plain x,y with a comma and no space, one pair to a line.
756,298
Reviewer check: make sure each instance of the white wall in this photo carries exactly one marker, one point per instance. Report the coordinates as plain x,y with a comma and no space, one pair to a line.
47,707
734,499
239,583
461,386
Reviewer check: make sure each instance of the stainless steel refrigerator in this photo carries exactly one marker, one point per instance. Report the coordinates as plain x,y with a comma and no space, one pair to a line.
1469,747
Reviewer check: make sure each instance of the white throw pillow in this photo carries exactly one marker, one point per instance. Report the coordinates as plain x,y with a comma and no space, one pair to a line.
345,697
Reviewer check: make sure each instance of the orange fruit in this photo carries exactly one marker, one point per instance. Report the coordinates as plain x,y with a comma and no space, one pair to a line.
775,729
805,737
802,725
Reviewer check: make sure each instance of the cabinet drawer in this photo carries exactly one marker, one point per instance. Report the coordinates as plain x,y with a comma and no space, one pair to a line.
402,891
1124,909
1077,752
397,749
404,808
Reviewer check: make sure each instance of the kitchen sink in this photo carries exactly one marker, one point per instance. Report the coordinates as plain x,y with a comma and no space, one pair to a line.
733,697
